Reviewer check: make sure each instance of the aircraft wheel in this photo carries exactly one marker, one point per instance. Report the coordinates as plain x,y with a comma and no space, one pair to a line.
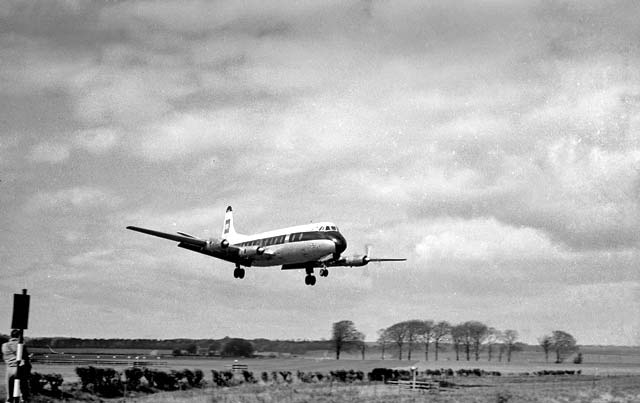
306,280
241,273
312,280
324,272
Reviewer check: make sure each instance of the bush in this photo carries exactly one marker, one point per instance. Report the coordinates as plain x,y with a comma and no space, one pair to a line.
222,378
133,378
100,381
38,384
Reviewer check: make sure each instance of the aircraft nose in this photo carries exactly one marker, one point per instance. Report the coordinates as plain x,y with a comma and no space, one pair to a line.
341,243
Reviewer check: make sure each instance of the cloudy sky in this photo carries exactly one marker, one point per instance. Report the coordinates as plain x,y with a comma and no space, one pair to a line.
494,144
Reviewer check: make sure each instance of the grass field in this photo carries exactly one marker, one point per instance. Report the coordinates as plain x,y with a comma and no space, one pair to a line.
479,390
608,375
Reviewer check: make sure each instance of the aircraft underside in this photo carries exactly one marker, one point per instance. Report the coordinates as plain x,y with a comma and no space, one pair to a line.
300,256
310,279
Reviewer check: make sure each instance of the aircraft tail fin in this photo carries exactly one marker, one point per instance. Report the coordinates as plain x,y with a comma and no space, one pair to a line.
228,231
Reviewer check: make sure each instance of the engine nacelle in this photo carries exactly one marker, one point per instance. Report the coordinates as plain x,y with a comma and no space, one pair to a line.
214,245
356,260
249,251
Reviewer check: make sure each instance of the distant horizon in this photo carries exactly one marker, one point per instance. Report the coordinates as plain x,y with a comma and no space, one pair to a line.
293,340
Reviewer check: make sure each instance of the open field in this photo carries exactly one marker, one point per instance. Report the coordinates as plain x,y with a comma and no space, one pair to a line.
597,361
608,374
511,389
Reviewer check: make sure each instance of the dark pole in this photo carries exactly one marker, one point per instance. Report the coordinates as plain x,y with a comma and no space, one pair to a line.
19,321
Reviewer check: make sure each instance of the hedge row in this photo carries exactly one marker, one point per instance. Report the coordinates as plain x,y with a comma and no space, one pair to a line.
107,382
557,372
229,378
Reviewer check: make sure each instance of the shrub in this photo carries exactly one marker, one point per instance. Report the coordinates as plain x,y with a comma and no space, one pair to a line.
100,381
198,380
38,383
222,378
133,378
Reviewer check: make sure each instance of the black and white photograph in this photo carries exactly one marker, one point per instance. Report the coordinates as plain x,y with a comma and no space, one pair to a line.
320,201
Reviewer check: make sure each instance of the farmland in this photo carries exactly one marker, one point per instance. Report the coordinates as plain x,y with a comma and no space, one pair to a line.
606,373
514,389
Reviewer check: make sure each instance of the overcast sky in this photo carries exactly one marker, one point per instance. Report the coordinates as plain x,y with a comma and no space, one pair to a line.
494,144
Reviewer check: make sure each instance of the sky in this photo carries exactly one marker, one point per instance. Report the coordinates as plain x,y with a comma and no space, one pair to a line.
494,144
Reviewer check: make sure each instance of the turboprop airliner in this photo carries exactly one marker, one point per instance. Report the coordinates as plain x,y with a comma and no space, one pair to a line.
304,247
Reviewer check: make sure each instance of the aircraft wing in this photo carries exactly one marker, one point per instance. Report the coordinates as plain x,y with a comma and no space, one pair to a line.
182,238
387,260
229,253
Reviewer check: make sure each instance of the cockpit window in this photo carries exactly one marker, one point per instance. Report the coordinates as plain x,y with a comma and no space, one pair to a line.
321,228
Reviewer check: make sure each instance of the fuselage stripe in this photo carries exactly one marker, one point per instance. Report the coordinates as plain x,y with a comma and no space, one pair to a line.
292,237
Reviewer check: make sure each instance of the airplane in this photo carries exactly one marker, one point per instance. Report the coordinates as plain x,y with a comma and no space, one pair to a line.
305,247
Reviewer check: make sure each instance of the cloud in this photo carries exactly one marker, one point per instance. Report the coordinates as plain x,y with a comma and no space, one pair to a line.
483,240
97,140
77,198
186,134
50,152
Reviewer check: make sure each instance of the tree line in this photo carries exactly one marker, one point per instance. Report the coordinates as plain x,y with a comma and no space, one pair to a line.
467,340
182,345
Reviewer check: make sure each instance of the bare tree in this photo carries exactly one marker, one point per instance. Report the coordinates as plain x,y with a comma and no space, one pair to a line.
427,336
546,342
383,339
458,337
493,336
414,331
440,331
563,344
510,336
477,333
398,333
344,333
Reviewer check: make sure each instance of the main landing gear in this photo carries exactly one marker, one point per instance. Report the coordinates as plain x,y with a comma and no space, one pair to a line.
238,272
310,279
